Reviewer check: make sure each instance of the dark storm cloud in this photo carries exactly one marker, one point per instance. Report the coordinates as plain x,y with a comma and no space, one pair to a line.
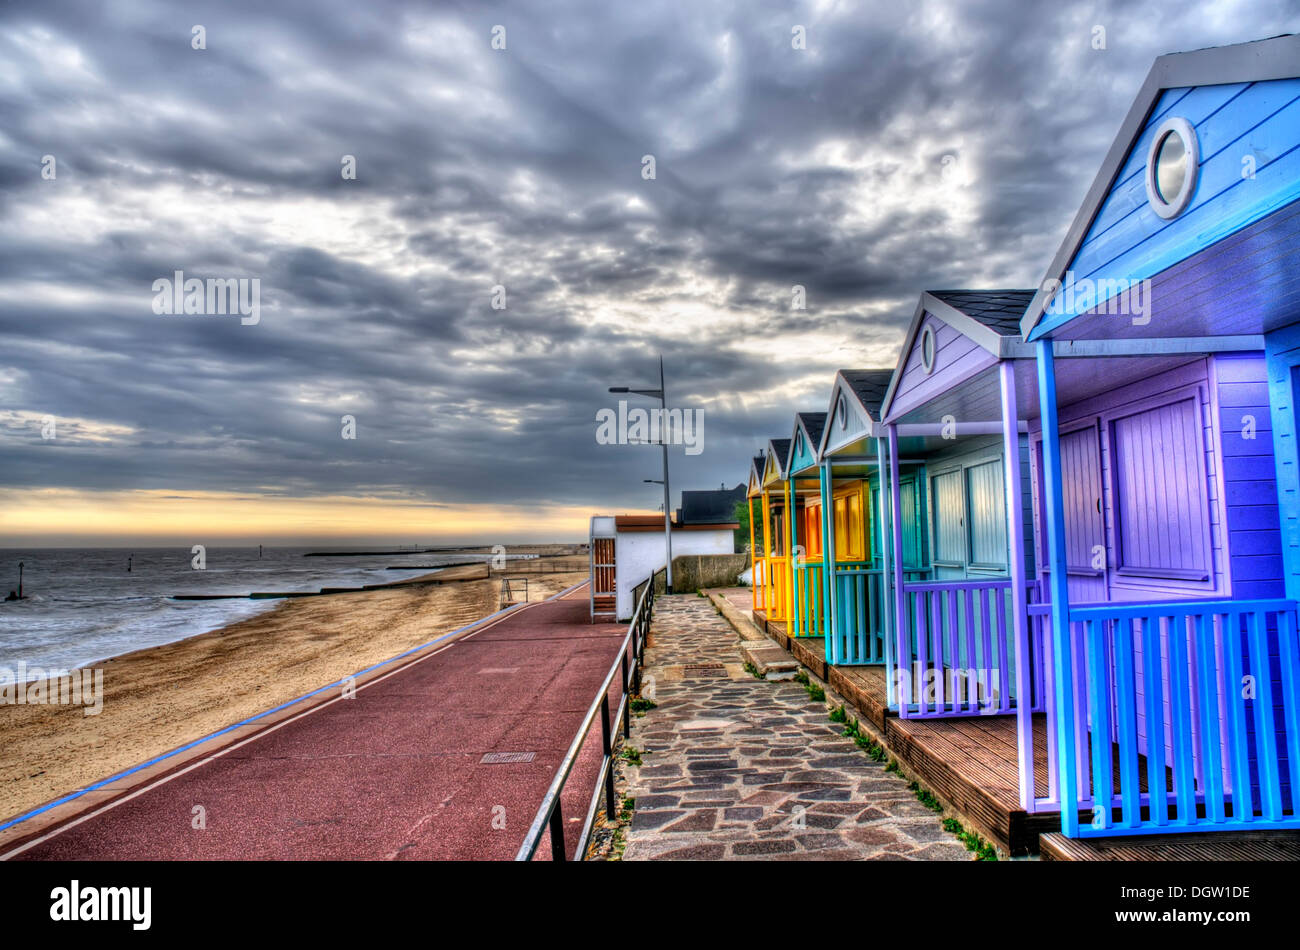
824,168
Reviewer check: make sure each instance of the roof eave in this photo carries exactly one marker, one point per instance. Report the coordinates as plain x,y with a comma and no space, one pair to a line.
1260,61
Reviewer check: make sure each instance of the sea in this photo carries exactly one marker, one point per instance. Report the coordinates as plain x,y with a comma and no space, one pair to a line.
81,606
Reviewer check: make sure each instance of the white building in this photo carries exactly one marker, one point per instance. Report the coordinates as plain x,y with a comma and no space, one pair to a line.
636,543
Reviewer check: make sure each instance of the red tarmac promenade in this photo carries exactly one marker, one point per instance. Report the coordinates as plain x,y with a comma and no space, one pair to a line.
395,773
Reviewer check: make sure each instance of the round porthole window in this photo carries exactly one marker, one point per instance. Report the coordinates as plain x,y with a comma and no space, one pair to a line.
842,412
927,349
1173,162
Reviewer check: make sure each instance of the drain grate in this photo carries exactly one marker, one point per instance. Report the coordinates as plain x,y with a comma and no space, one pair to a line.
506,758
704,669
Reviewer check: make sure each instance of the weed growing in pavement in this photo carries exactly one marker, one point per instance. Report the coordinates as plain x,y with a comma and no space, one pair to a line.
973,842
815,692
925,797
632,756
874,750
752,670
640,705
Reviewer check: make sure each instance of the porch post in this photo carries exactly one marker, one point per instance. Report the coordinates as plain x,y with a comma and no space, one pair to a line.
886,585
1067,779
765,512
753,573
828,559
795,619
901,654
1019,597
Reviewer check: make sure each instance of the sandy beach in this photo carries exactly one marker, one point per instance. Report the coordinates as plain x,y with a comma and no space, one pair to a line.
160,698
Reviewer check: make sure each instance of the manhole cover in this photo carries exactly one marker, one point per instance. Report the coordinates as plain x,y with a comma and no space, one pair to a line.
506,758
705,669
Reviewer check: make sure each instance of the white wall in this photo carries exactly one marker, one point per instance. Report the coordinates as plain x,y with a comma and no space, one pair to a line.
640,552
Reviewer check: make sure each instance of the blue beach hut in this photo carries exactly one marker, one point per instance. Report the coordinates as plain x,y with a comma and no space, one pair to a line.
1164,469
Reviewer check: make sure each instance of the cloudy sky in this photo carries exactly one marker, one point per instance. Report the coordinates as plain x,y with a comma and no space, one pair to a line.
909,146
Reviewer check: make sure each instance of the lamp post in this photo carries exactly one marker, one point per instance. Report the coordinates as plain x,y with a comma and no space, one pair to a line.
668,524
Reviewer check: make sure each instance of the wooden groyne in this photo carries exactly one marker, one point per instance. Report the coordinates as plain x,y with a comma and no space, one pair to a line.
445,576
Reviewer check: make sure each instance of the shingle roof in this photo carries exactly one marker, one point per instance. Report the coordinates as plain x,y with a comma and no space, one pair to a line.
869,385
999,310
814,423
781,448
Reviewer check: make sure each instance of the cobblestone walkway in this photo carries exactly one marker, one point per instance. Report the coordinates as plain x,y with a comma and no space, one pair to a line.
735,767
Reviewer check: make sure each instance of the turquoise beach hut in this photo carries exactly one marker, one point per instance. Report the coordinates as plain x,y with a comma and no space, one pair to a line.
856,531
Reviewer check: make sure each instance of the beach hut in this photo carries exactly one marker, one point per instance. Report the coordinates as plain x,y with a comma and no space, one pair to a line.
754,491
963,641
1167,336
804,498
951,408
776,533
854,534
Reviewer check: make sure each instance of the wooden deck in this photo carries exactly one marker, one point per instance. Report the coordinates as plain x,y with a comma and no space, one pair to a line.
972,763
1216,846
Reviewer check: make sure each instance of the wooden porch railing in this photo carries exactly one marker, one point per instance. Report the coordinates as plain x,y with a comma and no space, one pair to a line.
860,613
809,615
956,653
777,584
858,606
1208,740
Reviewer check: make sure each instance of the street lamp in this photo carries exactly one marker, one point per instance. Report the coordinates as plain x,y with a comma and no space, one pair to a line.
668,524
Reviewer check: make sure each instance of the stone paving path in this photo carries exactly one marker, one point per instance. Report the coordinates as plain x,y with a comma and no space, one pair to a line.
735,767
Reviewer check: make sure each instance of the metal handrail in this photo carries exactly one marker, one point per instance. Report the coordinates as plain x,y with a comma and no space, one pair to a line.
550,812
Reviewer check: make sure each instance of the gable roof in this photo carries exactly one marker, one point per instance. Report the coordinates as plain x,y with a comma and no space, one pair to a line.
869,386
988,317
1259,61
756,466
866,386
778,454
810,425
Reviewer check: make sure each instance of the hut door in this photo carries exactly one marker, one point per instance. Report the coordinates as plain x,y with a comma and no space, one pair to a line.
948,517
1085,526
910,493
